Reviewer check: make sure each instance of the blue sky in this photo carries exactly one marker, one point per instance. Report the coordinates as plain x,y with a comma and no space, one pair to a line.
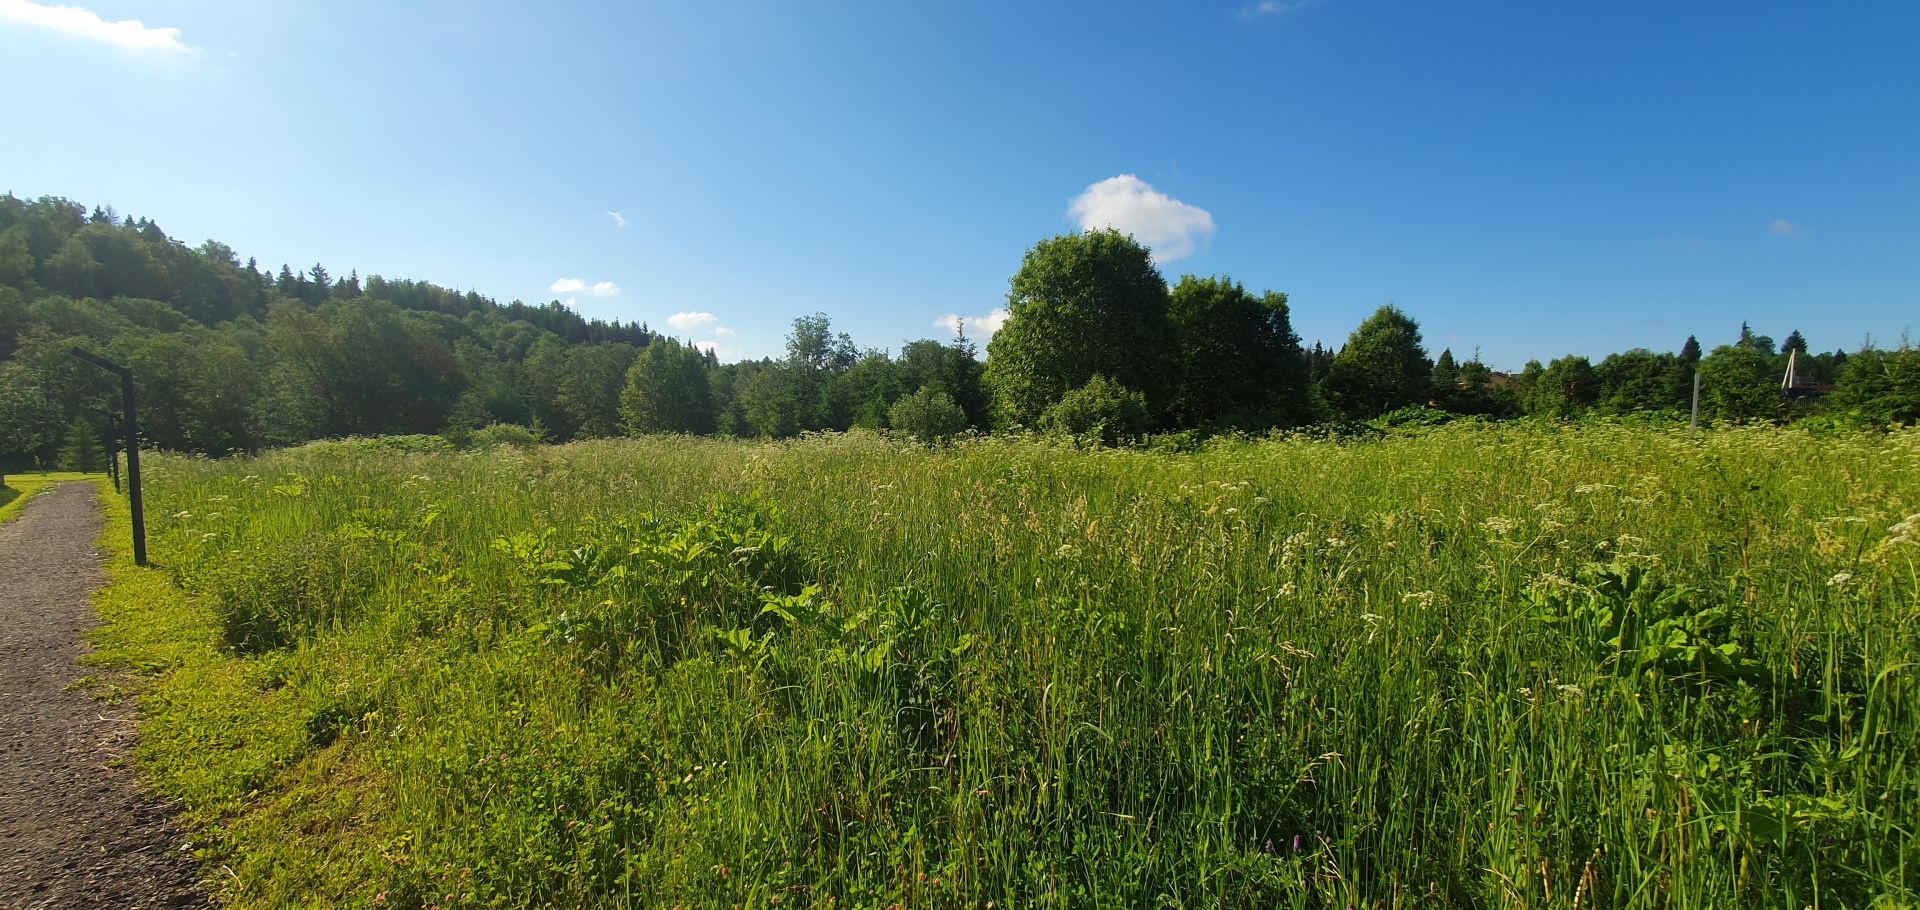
1525,178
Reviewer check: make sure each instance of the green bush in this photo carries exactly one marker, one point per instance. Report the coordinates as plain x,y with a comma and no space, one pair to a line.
1102,411
368,445
503,434
929,416
1413,415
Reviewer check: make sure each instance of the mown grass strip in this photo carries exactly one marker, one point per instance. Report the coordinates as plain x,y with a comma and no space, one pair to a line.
278,822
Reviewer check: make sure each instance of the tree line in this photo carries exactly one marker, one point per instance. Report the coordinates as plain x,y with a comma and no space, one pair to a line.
234,357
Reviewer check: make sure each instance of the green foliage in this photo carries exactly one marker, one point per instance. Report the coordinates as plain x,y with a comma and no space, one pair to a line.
1738,383
1237,353
1446,374
27,417
1080,305
775,402
1565,389
1103,411
1412,416
511,435
1383,367
1640,380
1881,387
81,450
928,416
1637,625
1475,393
668,391
234,358
230,359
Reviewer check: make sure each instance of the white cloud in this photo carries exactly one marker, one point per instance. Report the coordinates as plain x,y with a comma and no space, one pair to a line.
1168,227
619,220
721,331
575,285
689,321
723,352
128,34
1267,8
979,328
1781,227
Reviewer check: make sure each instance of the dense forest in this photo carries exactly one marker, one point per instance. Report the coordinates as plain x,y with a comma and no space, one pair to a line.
233,357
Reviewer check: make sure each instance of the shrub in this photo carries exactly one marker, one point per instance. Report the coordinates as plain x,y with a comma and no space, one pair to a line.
1413,415
929,416
369,445
1102,411
503,434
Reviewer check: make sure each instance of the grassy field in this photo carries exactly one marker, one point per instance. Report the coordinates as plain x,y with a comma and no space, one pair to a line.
1518,666
19,488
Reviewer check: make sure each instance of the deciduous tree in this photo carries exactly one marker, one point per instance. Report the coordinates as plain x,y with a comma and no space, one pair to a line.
1080,305
1382,367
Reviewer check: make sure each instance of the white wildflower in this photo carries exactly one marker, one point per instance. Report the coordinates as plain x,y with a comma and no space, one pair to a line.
1500,525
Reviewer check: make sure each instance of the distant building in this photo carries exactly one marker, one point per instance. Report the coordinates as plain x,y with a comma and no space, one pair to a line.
1795,385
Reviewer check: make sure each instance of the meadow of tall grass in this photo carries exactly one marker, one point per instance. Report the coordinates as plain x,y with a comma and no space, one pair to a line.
1512,666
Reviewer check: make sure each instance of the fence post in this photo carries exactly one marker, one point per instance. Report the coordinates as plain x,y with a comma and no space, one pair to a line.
1695,427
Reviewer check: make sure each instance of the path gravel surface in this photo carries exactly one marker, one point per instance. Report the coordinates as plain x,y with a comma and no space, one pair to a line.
76,829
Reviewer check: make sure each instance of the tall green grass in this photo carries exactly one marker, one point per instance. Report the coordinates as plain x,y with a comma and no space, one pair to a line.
1467,667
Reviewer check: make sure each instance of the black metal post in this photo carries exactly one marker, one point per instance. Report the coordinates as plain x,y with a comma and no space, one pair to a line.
113,460
131,428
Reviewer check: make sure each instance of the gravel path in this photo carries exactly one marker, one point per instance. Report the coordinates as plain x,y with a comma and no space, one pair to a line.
76,831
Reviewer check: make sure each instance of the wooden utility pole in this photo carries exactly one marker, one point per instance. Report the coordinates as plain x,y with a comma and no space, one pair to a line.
130,430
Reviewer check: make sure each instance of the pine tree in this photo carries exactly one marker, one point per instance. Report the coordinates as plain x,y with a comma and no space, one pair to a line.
1446,373
1690,352
1795,343
81,450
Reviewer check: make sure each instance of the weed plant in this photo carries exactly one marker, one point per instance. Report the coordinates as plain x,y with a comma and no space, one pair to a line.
1461,666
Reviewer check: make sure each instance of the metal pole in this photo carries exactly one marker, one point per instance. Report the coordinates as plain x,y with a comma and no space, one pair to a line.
131,427
113,460
1696,402
133,471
